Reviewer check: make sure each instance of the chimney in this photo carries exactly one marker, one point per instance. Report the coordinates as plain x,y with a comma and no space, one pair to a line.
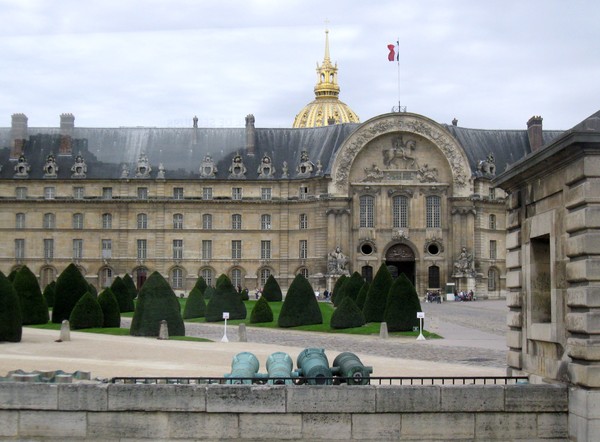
534,132
250,135
67,124
18,135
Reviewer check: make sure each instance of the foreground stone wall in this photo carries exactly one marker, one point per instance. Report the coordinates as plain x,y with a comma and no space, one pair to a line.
110,412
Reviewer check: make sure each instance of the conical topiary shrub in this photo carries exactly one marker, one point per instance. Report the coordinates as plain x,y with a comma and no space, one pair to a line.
300,306
201,284
12,274
261,312
122,295
347,315
156,302
336,288
402,306
209,292
351,287
87,313
34,309
70,286
195,307
271,290
110,308
225,299
92,290
128,281
49,294
11,328
374,307
362,295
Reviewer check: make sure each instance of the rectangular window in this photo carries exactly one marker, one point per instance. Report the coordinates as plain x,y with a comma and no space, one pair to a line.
367,208
49,221
303,192
20,221
178,193
106,221
265,222
21,193
207,193
177,249
178,221
236,249
206,249
142,193
78,221
19,249
78,192
433,208
77,249
265,193
207,221
265,250
303,221
177,278
106,248
493,246
400,211
492,193
107,193
492,222
48,248
236,193
303,252
49,193
236,221
142,249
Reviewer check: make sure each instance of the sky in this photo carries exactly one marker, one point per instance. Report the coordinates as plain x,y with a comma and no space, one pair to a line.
112,63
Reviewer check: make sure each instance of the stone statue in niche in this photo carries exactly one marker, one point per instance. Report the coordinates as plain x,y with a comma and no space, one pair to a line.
208,169
427,174
319,167
266,168
487,166
284,170
79,169
401,154
22,167
373,173
305,167
125,171
337,262
464,262
237,169
50,167
143,168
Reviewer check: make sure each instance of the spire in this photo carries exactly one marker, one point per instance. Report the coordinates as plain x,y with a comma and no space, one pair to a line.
326,58
326,75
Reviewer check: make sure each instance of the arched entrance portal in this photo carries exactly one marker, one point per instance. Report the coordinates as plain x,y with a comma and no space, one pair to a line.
400,258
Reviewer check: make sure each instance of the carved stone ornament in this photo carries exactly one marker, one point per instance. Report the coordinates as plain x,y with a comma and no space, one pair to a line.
487,167
305,168
373,174
266,170
427,174
400,155
337,262
22,168
79,169
433,240
400,252
125,171
50,167
399,234
208,169
161,172
143,168
237,170
284,170
319,167
464,264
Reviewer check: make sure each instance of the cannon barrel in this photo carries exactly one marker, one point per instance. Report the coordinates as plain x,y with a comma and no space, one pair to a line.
313,365
243,365
350,369
279,365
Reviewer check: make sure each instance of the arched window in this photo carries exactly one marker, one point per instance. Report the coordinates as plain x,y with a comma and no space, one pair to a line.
78,221
304,272
106,277
434,209
264,275
400,211
492,222
265,222
236,221
49,221
142,221
20,221
107,221
178,221
434,277
207,221
177,278
207,275
492,280
236,278
367,207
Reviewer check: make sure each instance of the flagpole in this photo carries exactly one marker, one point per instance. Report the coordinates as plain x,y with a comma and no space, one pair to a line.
398,62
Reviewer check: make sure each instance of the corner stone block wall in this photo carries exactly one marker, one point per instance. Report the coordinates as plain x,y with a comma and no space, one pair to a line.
116,412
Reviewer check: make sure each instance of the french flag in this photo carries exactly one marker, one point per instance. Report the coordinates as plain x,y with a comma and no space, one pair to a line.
394,54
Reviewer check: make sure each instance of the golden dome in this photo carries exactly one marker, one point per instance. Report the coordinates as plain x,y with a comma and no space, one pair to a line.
326,108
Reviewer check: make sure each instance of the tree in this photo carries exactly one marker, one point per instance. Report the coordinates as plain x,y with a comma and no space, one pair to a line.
11,327
49,293
70,286
34,309
362,295
209,293
200,284
128,281
122,295
300,306
337,286
350,287
156,302
225,299
374,307
110,308
347,315
271,290
261,312
195,307
402,305
87,313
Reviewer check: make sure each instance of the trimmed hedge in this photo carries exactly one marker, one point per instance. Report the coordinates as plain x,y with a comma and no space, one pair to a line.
271,291
261,312
336,288
362,295
209,292
87,313
347,315
225,299
123,295
11,327
201,284
110,308
34,309
70,287
128,281
195,307
376,301
300,306
156,302
49,294
351,287
402,306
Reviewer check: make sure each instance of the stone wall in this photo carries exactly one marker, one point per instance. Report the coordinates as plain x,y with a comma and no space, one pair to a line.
112,412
